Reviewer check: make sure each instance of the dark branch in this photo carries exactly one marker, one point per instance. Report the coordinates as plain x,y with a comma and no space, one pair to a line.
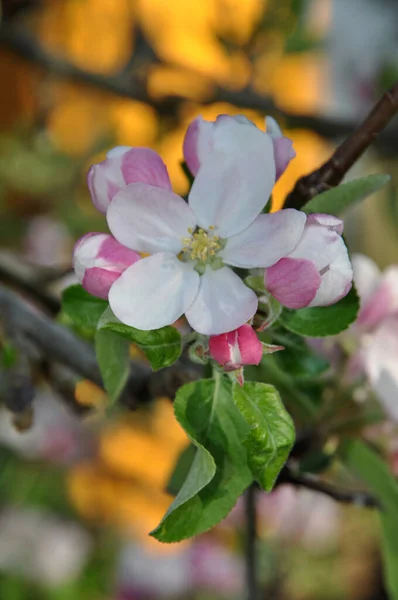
251,543
128,84
58,344
312,482
333,171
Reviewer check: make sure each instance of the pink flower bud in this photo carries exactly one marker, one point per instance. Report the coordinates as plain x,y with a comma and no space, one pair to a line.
237,348
283,146
204,136
124,165
318,271
98,260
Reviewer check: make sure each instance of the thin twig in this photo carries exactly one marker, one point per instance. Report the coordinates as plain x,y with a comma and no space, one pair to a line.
333,170
312,482
251,543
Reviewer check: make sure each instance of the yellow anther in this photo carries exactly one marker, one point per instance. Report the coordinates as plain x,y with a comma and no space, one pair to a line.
200,245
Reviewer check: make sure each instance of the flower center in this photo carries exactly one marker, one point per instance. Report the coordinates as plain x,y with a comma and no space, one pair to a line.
201,245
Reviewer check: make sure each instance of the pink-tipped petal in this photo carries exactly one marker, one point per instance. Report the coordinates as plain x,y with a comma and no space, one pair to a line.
197,143
223,303
98,282
283,154
98,260
268,239
293,282
124,165
145,166
326,249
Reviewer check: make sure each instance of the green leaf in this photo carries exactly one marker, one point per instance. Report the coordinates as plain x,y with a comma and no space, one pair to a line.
372,470
162,347
337,199
271,434
219,473
113,358
181,470
83,309
325,320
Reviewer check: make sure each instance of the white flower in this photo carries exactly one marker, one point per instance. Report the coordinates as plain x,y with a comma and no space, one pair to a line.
192,246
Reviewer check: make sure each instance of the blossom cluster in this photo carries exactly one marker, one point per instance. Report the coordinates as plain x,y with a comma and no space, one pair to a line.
166,257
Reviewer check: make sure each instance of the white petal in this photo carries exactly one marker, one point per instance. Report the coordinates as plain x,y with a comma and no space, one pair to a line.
154,292
223,303
268,239
149,219
235,180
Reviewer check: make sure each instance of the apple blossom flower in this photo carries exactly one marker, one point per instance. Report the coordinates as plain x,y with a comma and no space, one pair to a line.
194,245
375,333
237,348
317,272
98,260
124,165
200,136
378,292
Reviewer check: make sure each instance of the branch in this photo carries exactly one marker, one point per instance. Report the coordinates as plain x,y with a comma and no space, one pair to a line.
312,482
128,85
333,171
59,344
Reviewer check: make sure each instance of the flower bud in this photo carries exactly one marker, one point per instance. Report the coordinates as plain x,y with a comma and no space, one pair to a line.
237,348
318,271
98,260
124,165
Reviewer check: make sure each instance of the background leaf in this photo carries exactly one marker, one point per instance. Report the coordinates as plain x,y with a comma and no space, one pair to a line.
325,320
162,347
113,359
81,307
337,199
219,473
271,434
372,470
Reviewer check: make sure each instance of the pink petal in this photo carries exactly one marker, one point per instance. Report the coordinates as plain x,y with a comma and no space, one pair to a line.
98,281
283,154
293,282
145,166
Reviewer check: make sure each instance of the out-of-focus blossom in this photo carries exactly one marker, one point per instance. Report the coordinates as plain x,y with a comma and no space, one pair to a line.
215,568
375,334
98,260
56,435
191,244
42,547
299,516
145,573
201,137
317,272
124,165
47,242
237,348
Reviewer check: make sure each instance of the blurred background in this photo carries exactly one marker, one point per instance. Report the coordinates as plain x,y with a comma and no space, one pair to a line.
80,489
